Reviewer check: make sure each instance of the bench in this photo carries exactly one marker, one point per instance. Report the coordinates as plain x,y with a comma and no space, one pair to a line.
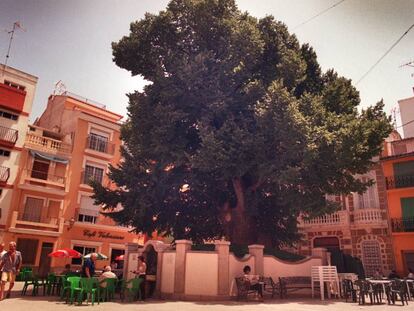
243,288
294,283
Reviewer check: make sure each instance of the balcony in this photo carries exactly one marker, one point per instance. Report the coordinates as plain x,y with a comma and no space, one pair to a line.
405,224
100,145
21,223
340,218
369,216
44,182
395,182
8,135
47,144
4,174
12,98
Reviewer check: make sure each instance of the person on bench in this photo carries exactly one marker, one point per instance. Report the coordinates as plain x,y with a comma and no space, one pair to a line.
253,280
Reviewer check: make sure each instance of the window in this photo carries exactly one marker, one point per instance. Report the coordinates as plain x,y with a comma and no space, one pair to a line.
40,169
118,263
326,242
15,85
33,209
88,211
93,173
409,260
28,248
8,115
84,250
4,153
371,257
98,142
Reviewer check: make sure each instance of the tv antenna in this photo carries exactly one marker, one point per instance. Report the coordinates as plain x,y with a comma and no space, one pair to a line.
16,25
408,64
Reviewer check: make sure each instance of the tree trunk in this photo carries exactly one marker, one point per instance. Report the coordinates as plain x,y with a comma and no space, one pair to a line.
242,225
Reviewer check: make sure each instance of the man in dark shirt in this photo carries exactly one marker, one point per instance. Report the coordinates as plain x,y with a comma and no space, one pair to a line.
88,268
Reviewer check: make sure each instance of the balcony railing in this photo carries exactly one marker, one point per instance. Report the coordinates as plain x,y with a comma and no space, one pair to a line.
369,216
47,144
22,223
87,178
100,145
4,174
45,176
404,181
334,219
8,135
405,224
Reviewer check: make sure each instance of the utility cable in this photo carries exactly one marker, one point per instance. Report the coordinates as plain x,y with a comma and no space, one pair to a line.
317,15
385,54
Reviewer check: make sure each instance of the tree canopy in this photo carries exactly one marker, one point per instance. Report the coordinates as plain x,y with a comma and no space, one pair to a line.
238,132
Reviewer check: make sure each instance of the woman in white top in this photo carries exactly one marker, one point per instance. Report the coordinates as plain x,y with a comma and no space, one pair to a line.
141,272
253,280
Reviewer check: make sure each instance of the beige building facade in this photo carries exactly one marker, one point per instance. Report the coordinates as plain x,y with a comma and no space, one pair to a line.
17,90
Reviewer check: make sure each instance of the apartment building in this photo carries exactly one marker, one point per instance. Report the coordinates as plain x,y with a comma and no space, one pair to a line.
17,90
360,228
73,142
398,164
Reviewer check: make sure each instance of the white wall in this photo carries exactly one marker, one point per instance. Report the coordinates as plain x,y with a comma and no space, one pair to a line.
132,265
201,274
168,273
407,115
276,268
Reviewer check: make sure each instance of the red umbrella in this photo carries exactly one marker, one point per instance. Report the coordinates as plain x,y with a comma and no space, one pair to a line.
120,257
66,252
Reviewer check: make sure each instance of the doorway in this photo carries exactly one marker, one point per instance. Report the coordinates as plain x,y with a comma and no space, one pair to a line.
44,263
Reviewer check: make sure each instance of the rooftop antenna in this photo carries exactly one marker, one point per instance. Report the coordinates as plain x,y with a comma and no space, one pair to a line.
409,64
16,25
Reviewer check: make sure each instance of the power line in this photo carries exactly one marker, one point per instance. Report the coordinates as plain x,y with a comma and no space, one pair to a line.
385,54
319,14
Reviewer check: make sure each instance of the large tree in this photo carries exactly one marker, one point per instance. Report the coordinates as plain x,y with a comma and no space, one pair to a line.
239,131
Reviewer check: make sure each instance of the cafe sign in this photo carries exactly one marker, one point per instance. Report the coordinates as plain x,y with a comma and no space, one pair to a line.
101,234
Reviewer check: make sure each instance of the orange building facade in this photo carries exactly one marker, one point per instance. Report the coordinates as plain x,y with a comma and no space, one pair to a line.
398,166
72,142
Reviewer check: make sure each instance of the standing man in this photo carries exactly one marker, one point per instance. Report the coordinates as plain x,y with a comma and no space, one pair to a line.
10,265
88,268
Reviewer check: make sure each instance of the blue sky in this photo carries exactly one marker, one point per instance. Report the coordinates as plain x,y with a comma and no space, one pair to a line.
70,40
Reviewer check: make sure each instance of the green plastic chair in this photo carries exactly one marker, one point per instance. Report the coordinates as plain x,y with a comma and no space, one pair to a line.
30,280
131,289
70,286
108,292
52,282
90,288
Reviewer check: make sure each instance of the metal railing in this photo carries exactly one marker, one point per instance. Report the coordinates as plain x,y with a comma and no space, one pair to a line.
404,181
405,224
84,99
45,176
47,144
87,178
4,173
100,145
8,134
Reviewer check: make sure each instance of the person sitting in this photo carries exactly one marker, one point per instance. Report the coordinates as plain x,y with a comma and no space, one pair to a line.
253,281
107,274
393,275
410,274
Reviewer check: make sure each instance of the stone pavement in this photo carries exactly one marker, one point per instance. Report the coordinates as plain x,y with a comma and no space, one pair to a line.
45,303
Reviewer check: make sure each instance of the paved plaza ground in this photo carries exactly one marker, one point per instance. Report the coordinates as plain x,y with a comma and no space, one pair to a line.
45,303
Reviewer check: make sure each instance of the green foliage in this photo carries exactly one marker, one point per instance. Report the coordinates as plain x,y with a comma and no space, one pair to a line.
242,115
283,255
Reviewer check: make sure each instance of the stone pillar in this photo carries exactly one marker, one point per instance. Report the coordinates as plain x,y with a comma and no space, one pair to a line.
130,248
322,253
181,248
256,250
223,249
160,257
